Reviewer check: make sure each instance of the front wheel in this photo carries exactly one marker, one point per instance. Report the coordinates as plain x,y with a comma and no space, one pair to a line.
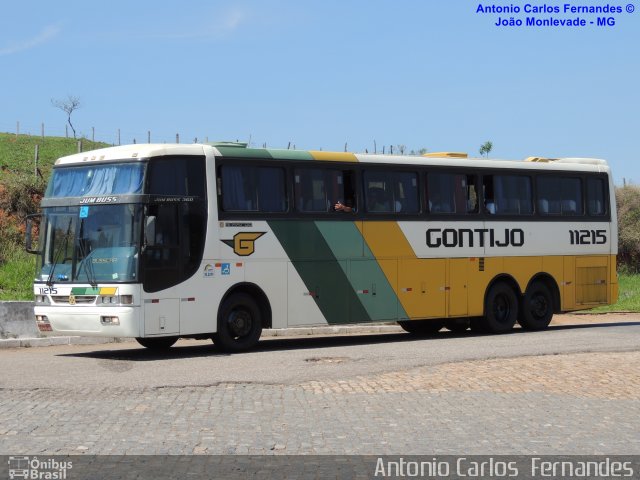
239,323
537,307
157,344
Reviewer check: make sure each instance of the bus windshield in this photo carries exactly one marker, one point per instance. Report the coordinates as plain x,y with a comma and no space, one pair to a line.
97,243
99,179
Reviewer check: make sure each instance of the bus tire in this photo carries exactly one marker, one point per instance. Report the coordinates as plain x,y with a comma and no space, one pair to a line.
239,323
500,309
421,327
157,344
457,325
537,307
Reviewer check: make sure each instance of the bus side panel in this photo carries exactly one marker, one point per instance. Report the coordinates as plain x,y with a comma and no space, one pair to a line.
569,284
422,287
487,269
457,280
374,300
554,266
592,280
301,301
613,280
271,278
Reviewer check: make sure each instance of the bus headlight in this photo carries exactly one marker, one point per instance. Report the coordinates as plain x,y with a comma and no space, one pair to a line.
42,299
116,300
126,299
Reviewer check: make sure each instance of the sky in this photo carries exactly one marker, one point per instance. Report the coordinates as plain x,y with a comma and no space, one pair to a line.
432,74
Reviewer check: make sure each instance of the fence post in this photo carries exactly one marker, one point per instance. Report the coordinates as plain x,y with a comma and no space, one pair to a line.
35,161
148,136
42,130
66,131
177,138
80,146
118,136
93,134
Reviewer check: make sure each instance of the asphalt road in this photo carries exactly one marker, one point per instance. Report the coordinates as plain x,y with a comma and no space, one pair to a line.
567,390
292,360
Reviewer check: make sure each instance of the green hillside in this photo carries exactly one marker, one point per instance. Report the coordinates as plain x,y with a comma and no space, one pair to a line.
17,153
20,193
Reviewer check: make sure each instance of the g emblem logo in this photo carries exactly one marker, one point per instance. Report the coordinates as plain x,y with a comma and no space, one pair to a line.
243,243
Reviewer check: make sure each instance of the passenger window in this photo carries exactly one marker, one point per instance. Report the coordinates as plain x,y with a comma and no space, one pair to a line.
596,201
452,193
391,192
507,194
184,176
318,190
559,196
253,189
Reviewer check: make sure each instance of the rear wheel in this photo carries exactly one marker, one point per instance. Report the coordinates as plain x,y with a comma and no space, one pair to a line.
500,309
537,307
421,327
157,344
239,323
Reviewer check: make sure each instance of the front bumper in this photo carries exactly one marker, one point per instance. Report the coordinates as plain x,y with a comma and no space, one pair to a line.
87,321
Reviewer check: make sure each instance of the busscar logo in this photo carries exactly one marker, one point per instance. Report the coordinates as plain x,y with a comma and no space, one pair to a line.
243,243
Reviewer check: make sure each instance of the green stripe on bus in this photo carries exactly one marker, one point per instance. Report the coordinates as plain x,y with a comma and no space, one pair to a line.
290,154
244,152
84,291
363,271
321,272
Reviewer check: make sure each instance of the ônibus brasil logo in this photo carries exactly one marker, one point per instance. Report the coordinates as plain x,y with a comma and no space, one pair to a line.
37,468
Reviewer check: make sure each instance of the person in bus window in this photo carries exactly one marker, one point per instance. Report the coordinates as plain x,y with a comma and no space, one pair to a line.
347,206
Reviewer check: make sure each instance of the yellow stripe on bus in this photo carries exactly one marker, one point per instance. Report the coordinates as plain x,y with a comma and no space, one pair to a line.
411,278
333,156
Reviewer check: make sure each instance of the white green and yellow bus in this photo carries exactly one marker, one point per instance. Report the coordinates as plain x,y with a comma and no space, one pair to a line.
221,241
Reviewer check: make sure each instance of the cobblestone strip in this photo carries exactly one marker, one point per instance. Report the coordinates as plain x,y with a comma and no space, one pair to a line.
589,375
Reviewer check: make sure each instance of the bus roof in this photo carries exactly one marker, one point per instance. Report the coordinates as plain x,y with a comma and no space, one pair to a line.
238,150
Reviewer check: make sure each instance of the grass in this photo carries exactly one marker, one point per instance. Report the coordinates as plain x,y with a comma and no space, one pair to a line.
17,163
16,276
17,152
628,297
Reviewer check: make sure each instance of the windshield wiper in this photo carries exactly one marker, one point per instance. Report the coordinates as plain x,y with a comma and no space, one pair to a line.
88,266
56,257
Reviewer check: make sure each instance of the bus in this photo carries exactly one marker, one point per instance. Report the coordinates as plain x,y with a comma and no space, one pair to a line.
220,241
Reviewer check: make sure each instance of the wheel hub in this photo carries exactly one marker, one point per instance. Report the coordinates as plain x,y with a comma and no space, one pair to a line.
239,323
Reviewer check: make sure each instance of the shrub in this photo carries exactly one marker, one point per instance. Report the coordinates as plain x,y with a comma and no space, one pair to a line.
628,203
19,196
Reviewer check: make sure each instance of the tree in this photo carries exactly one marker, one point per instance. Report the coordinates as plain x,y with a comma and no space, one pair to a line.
68,106
485,148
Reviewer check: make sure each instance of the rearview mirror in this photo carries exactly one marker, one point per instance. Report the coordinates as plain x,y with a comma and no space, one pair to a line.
29,233
150,231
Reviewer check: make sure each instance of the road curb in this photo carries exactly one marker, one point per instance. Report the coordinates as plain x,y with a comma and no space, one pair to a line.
276,332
